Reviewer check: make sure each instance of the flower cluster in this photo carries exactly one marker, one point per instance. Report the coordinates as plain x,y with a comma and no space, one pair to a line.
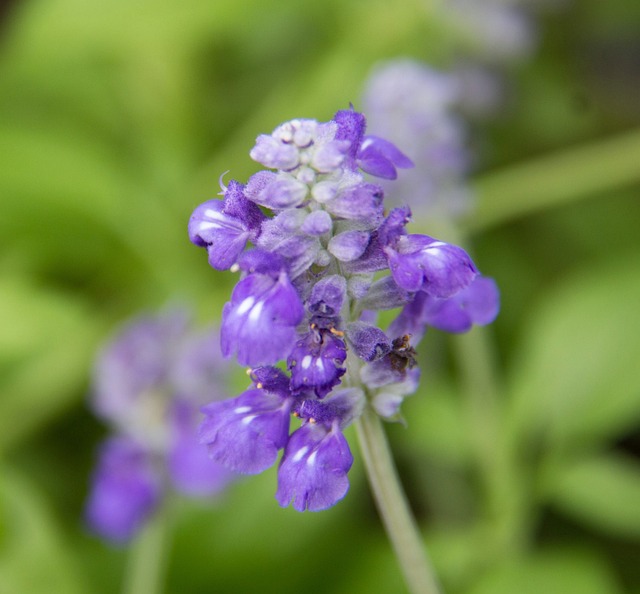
324,258
149,383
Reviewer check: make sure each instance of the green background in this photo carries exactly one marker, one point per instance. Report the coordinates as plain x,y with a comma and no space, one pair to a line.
520,457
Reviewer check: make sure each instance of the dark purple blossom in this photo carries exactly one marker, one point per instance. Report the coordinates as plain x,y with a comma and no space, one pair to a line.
245,433
259,322
313,471
419,262
368,342
225,226
316,361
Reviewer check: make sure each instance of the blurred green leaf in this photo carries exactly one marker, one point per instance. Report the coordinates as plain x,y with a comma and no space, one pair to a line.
552,180
602,491
34,557
575,379
47,344
570,571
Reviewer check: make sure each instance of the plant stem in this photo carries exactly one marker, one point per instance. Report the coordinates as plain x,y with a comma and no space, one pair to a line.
147,560
393,507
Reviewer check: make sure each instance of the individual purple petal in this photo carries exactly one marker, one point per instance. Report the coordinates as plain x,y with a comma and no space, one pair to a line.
317,223
245,433
361,202
372,259
283,191
478,304
316,362
313,471
329,156
419,262
259,322
368,342
125,490
349,245
380,157
190,467
274,153
224,236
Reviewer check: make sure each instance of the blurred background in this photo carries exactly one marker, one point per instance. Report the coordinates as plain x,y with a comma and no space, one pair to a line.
118,118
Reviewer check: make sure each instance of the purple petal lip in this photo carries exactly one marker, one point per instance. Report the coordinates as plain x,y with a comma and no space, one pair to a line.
245,433
419,262
259,322
313,470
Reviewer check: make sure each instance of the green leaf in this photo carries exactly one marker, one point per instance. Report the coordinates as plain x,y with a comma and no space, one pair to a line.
556,179
602,491
574,382
34,557
562,571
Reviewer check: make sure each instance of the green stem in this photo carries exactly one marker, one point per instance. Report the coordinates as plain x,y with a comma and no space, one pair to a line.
555,179
393,507
147,560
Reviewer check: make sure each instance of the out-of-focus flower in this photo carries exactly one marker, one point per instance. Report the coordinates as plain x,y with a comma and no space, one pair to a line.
148,384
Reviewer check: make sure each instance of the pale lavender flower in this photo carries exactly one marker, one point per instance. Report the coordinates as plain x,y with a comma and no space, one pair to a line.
414,105
148,384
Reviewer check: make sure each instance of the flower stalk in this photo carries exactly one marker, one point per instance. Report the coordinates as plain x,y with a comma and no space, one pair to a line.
393,507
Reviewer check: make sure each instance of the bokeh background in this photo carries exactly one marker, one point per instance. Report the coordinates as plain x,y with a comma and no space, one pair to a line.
117,118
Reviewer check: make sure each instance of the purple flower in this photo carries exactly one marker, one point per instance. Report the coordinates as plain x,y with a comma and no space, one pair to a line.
420,262
125,491
372,154
309,289
225,226
368,342
149,383
380,157
245,433
477,304
415,106
259,322
313,471
316,361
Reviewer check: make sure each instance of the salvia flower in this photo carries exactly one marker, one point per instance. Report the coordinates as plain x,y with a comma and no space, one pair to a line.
326,258
149,383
